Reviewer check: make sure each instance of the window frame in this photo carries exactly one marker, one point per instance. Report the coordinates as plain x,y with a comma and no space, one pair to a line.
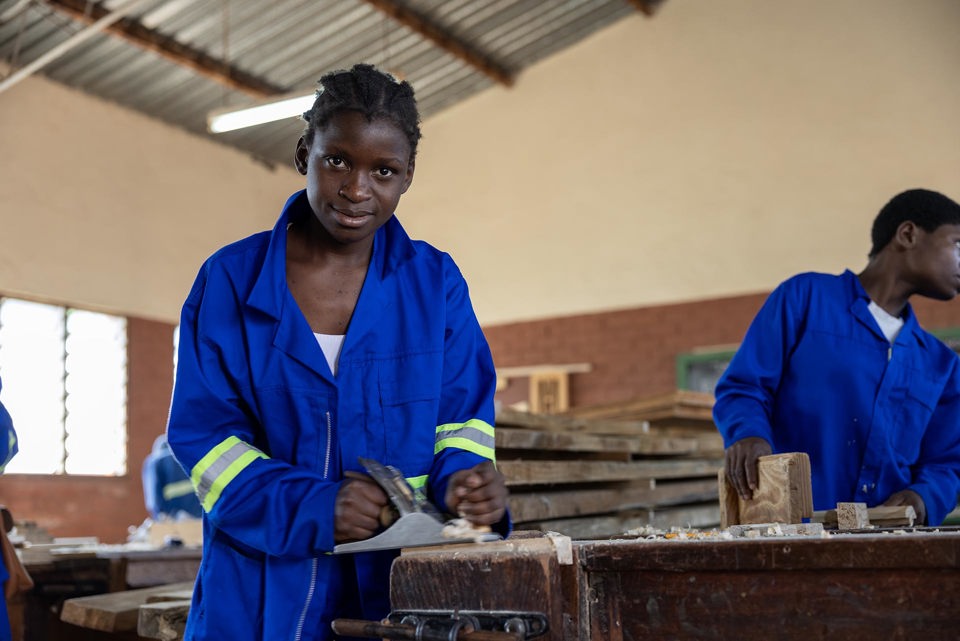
122,465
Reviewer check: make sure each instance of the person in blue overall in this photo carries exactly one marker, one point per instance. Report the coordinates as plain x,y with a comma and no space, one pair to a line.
167,490
332,337
837,366
8,447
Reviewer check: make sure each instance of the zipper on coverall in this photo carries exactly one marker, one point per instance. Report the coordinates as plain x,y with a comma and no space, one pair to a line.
313,566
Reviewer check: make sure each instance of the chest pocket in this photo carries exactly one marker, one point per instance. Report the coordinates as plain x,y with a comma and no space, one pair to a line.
410,405
919,402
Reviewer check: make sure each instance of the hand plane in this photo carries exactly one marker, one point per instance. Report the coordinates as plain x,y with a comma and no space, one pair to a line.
419,523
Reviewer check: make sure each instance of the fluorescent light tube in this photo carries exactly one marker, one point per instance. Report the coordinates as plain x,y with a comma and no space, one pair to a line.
275,109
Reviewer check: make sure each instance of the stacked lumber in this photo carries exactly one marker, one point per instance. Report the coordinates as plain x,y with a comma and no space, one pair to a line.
679,413
597,476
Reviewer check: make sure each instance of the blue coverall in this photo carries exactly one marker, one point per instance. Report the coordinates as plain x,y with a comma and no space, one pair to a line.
815,374
167,490
8,447
266,432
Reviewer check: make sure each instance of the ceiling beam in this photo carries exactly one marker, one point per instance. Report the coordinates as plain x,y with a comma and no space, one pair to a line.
443,39
166,47
647,7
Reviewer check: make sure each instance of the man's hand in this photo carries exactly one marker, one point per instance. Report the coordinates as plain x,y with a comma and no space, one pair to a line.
357,509
478,494
909,497
741,463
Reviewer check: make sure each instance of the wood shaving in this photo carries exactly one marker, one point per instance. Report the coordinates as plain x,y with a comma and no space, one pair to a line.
463,529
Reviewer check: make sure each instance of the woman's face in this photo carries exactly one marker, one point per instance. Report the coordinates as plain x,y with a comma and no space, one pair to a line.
356,172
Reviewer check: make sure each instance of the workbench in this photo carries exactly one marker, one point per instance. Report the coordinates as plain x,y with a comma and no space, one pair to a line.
892,584
94,570
873,586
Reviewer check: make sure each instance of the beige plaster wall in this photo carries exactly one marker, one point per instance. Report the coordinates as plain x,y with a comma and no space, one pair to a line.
102,207
712,150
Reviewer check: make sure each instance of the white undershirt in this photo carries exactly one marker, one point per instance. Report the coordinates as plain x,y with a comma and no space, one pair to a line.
331,344
889,325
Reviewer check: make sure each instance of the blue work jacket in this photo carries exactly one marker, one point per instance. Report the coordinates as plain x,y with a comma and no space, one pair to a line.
8,447
266,431
8,437
815,374
167,491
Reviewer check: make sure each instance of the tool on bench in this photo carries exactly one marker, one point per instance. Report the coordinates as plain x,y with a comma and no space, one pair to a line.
419,523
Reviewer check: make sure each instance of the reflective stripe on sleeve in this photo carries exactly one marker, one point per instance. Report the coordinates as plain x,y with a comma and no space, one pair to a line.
11,445
176,490
419,485
473,436
417,482
221,465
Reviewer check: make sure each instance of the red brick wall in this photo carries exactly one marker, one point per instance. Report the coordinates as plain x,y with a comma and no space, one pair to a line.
633,352
100,506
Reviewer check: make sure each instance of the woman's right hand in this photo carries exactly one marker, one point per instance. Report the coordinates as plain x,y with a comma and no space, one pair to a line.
357,510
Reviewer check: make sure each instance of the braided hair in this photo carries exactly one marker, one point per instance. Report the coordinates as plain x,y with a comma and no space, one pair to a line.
369,91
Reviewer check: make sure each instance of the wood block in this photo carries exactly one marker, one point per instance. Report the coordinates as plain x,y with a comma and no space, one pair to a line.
852,516
164,620
783,495
549,392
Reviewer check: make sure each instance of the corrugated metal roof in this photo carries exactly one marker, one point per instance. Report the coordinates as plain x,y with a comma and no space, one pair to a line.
285,46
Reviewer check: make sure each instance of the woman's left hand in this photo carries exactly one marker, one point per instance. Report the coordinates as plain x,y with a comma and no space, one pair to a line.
478,494
909,497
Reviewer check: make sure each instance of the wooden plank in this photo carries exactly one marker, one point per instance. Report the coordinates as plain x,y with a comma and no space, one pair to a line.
679,403
552,423
647,444
707,439
783,493
555,472
703,515
879,516
115,611
533,506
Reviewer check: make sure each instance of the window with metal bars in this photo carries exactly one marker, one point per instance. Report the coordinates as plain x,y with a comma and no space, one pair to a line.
700,369
64,374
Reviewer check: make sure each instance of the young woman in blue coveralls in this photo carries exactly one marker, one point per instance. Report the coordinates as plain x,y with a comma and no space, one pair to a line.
837,366
334,336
